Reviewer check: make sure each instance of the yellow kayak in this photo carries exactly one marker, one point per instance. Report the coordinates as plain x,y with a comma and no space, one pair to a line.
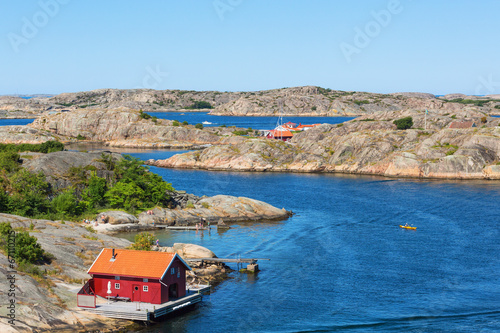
407,227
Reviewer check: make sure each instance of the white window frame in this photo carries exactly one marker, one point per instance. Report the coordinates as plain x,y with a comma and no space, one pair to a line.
145,288
117,285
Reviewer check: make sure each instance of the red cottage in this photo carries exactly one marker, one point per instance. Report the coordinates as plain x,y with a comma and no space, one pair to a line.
141,276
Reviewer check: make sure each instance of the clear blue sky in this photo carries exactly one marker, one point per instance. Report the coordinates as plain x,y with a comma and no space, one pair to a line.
427,46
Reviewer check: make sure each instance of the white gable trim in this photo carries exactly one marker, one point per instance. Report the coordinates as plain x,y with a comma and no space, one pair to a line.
95,261
170,264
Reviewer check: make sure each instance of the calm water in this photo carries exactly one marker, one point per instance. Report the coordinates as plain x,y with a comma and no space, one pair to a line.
8,122
342,264
253,122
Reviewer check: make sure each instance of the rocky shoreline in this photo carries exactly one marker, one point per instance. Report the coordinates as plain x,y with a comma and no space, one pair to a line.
189,212
48,303
367,145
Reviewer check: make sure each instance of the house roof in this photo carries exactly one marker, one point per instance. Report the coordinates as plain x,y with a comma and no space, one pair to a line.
278,134
462,124
147,264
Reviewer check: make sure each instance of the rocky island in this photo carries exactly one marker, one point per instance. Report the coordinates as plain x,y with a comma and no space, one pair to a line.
368,145
304,101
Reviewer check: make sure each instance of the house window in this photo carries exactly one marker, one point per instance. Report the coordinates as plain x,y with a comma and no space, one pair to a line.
117,286
144,280
144,288
172,271
117,278
178,274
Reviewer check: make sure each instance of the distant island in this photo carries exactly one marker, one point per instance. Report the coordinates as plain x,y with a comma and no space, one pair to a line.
297,101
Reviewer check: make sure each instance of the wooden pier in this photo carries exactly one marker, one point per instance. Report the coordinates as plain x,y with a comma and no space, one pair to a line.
147,311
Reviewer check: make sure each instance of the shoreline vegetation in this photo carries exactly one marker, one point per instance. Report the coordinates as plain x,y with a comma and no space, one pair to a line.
45,193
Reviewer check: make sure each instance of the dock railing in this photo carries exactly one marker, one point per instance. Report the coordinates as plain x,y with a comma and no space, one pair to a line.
86,297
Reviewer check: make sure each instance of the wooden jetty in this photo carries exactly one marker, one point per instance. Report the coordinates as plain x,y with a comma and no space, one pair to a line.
146,311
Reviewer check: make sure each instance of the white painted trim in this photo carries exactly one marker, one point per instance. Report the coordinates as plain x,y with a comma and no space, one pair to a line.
95,261
170,264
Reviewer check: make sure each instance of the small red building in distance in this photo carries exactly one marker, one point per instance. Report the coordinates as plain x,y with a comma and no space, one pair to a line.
141,276
284,134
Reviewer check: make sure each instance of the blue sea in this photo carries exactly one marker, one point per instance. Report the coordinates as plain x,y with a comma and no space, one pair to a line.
342,263
9,122
194,118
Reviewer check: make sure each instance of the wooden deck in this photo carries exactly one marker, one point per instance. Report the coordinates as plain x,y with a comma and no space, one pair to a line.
147,311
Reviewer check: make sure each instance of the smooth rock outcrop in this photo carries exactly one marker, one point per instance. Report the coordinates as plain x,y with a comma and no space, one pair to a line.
122,128
366,145
192,251
53,309
118,217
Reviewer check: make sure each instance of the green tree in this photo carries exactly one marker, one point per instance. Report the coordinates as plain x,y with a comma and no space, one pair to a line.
200,105
27,248
199,126
93,195
4,201
107,159
403,123
65,203
155,189
125,195
143,241
9,161
30,193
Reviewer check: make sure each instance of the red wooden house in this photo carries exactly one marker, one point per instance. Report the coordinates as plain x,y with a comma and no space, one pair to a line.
141,276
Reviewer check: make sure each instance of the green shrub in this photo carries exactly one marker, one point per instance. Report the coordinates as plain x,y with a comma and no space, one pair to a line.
144,115
185,123
189,204
81,137
65,203
403,123
242,132
90,229
340,125
199,126
175,123
205,205
314,108
10,161
361,102
143,241
200,105
497,106
223,125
